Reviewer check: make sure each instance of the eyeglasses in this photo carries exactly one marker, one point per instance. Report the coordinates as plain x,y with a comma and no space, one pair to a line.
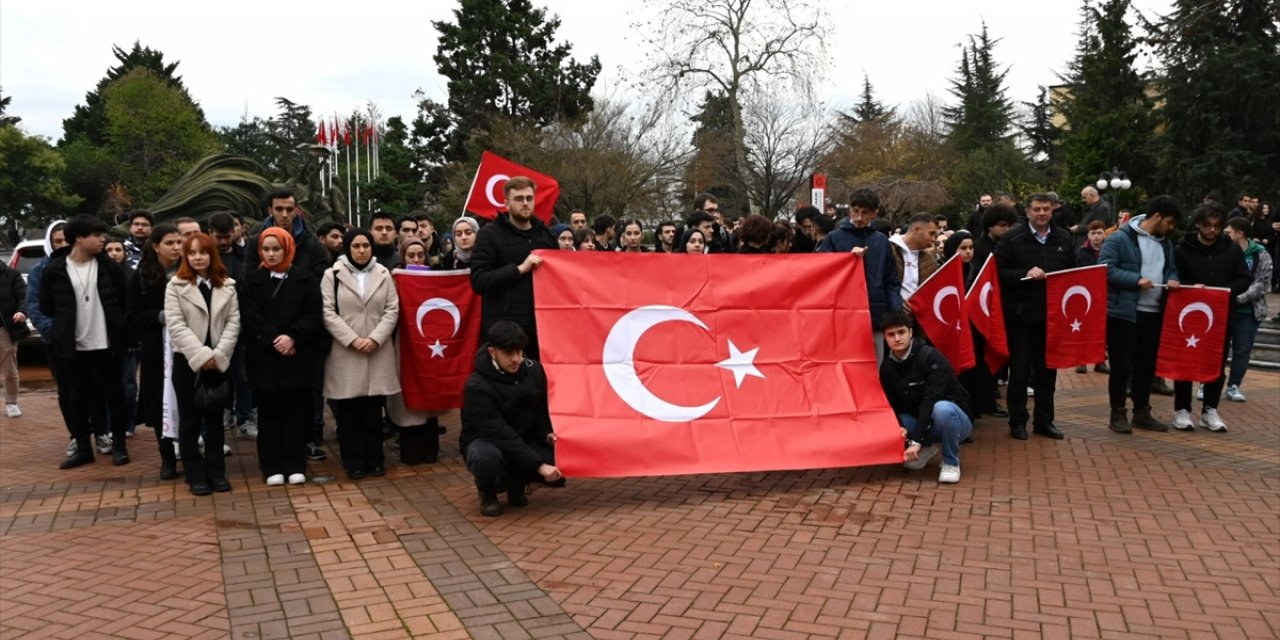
711,209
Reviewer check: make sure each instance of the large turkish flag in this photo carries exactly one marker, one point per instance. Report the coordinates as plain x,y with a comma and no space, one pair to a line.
987,314
439,333
676,363
1076,317
487,199
939,308
1194,334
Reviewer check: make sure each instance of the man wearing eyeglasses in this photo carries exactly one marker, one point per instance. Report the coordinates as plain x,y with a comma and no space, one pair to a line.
719,240
502,263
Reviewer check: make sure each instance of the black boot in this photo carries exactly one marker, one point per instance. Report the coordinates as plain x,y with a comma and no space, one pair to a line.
119,454
1143,419
82,456
431,441
1120,421
489,504
168,460
409,445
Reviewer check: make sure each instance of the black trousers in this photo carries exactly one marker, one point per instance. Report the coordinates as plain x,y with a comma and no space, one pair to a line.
492,472
89,388
359,432
1026,350
212,465
284,416
1132,347
979,381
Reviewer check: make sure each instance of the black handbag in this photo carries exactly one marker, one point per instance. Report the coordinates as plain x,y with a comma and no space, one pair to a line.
212,391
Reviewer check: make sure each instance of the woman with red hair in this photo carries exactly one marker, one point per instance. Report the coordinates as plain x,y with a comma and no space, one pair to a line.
203,316
282,331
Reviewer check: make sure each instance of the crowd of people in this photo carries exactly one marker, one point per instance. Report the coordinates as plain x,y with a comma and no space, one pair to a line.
193,329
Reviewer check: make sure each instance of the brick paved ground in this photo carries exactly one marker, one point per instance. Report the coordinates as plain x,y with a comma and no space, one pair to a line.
1151,535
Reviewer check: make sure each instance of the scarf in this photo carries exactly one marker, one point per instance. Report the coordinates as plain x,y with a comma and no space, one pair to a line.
286,243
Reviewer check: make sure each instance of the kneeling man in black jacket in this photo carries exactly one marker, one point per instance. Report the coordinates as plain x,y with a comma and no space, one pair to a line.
506,430
932,405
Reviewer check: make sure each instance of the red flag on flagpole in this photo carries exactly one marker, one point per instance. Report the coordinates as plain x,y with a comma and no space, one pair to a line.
986,311
346,134
1076,317
322,137
487,199
726,368
944,322
1194,334
439,333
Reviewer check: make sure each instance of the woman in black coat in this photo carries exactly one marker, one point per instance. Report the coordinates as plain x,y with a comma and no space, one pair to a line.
145,310
281,328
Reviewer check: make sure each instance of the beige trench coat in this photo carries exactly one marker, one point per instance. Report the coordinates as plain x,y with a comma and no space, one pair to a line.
349,373
188,319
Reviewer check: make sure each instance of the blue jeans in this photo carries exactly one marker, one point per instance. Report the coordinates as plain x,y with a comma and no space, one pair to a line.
951,425
1242,336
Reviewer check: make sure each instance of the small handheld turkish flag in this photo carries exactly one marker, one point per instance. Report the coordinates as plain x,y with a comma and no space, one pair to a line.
1194,334
729,367
987,314
1075,317
942,315
439,333
487,199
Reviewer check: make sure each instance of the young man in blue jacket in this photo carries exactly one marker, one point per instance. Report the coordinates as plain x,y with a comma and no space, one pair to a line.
1139,259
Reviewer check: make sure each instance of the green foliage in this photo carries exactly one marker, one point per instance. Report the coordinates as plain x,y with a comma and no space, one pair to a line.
1043,137
501,62
7,120
990,170
90,169
31,171
399,186
983,115
714,168
154,131
89,122
218,182
250,140
1220,118
1109,116
868,108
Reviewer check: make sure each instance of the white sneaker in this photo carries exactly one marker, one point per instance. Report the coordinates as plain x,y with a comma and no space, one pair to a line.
275,480
72,447
1233,393
248,430
950,474
226,450
1209,420
12,411
297,478
1031,392
926,454
103,442
1200,392
1182,420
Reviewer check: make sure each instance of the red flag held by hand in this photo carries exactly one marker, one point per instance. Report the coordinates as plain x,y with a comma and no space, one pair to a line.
1194,334
487,199
1076,317
439,333
726,368
939,309
986,311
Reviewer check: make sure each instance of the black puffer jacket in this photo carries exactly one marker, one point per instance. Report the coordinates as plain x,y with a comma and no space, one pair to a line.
922,380
13,298
507,295
509,411
1016,253
292,309
58,301
1220,264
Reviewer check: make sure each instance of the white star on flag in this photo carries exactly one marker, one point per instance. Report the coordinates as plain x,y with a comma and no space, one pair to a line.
1075,326
741,363
1192,342
437,349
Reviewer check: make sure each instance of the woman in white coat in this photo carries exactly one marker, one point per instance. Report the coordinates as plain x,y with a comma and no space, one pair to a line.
360,312
203,316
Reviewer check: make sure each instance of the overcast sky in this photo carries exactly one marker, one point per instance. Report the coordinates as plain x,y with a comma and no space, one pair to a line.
237,55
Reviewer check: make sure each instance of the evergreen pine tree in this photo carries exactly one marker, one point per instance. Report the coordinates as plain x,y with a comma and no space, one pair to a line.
868,108
983,116
1221,122
89,121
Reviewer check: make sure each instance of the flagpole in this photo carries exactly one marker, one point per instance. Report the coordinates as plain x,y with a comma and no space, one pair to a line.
1061,271
350,213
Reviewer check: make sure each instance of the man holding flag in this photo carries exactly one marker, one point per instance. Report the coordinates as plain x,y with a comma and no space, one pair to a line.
1208,258
1139,259
1024,256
